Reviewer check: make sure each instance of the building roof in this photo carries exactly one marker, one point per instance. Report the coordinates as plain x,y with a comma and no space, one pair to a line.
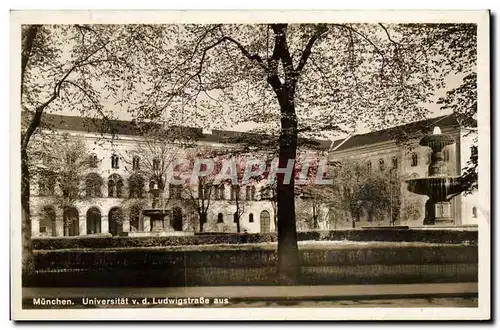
122,127
133,128
402,132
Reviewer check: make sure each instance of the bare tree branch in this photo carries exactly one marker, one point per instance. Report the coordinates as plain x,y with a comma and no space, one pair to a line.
29,39
320,30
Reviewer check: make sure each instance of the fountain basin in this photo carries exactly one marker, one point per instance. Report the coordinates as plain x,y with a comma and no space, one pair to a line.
438,188
438,141
155,213
157,217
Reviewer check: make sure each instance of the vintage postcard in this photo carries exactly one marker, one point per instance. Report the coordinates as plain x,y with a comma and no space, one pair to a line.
250,165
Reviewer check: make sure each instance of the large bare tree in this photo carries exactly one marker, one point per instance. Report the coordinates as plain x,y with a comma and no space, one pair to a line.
70,67
292,80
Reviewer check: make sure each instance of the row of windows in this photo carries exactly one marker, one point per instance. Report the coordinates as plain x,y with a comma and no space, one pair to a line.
414,157
414,160
94,182
381,164
220,217
156,163
115,162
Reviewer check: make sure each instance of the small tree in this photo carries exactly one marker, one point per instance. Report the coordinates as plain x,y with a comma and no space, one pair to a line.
156,149
72,67
200,187
359,188
62,166
239,178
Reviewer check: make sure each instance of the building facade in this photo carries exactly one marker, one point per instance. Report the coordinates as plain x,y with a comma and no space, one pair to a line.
116,190
119,191
383,150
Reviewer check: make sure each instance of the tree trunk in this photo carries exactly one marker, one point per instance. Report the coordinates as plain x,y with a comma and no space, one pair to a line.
28,37
27,253
238,229
203,220
288,254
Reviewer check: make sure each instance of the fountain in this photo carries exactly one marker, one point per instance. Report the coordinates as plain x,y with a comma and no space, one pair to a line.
438,185
156,214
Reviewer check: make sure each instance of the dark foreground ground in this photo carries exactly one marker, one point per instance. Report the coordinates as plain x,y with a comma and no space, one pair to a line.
380,295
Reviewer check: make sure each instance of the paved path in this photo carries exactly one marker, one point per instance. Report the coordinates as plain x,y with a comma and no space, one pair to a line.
319,292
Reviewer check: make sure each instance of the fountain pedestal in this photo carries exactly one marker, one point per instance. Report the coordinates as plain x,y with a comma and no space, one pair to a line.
439,186
443,213
155,214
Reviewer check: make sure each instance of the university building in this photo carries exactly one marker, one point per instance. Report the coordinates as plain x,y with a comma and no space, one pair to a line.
119,193
385,149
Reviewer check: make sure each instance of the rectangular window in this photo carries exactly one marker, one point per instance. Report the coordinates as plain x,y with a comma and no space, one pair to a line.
394,162
156,164
135,163
235,192
414,159
93,161
114,161
175,191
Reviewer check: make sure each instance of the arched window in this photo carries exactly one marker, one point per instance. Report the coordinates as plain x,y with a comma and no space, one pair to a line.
265,222
93,183
176,220
252,193
220,218
115,186
136,186
93,161
250,217
381,164
414,159
474,212
114,161
111,187
394,162
136,163
93,220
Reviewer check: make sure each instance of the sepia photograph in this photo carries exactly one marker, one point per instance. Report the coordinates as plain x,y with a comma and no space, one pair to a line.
250,165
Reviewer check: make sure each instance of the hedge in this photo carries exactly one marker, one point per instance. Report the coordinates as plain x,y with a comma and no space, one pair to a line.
383,235
159,267
161,258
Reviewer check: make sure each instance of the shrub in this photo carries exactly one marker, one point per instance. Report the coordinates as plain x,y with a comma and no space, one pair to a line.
383,235
254,258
